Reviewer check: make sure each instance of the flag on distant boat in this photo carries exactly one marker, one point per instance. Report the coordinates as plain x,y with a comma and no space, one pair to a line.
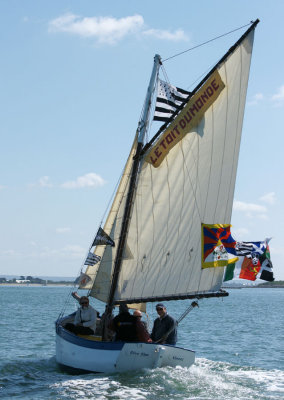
218,245
169,99
102,239
92,259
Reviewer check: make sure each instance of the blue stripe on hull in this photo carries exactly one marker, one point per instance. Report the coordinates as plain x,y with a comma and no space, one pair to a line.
79,341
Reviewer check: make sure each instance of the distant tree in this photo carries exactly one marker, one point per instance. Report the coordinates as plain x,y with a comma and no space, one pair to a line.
22,278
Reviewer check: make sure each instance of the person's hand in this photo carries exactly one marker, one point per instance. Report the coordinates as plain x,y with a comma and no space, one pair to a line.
163,339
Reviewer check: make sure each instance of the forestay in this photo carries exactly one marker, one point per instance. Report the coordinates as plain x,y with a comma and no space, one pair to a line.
194,184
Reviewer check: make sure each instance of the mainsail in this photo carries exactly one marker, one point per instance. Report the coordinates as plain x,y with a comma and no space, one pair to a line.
193,184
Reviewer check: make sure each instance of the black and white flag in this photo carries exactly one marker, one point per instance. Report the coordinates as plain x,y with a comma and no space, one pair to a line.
249,249
169,99
92,259
102,238
266,273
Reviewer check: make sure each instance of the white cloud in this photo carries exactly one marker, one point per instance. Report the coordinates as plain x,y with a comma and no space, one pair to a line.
46,253
73,251
248,207
256,99
89,180
239,232
8,252
63,230
110,30
42,182
2,187
103,29
68,251
278,98
178,35
269,198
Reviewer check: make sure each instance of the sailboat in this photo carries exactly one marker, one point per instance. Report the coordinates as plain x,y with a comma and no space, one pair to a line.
171,187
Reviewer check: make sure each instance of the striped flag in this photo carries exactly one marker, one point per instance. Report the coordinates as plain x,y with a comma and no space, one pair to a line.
169,99
92,259
251,249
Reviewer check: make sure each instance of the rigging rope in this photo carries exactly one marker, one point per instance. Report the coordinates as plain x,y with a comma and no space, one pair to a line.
208,41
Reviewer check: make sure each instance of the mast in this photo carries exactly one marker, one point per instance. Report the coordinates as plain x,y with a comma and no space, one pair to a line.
142,129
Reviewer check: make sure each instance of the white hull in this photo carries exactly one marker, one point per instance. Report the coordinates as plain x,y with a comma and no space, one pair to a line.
81,354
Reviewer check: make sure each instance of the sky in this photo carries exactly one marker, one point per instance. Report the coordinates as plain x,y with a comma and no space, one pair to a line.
74,76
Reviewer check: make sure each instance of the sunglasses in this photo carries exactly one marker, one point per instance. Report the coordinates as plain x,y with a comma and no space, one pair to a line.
159,308
84,303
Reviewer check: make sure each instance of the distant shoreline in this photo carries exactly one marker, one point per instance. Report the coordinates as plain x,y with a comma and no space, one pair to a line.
36,284
254,287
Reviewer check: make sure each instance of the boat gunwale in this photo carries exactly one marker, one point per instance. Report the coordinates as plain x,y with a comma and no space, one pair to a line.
100,345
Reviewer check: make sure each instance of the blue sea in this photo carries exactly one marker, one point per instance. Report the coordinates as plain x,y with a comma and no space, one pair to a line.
238,341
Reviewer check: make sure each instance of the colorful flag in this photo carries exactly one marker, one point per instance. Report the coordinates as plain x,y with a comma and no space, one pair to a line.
250,268
218,246
248,249
266,273
92,259
254,263
229,272
245,268
102,239
83,280
169,99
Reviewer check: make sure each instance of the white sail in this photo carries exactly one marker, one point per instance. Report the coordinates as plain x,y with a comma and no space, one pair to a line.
101,273
194,184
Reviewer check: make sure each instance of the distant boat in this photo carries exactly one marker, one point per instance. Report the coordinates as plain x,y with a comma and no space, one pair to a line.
182,178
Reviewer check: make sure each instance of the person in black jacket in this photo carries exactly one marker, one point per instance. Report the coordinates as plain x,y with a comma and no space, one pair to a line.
124,325
165,327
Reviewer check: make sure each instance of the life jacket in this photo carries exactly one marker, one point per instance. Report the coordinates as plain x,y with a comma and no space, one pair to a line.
125,327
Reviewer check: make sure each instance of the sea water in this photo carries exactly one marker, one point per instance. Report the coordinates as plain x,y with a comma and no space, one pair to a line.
238,342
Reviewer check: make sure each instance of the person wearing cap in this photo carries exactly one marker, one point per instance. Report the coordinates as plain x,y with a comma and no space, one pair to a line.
124,325
141,328
165,327
85,319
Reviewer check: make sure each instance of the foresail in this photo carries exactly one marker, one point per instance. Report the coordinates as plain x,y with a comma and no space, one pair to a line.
193,184
101,272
